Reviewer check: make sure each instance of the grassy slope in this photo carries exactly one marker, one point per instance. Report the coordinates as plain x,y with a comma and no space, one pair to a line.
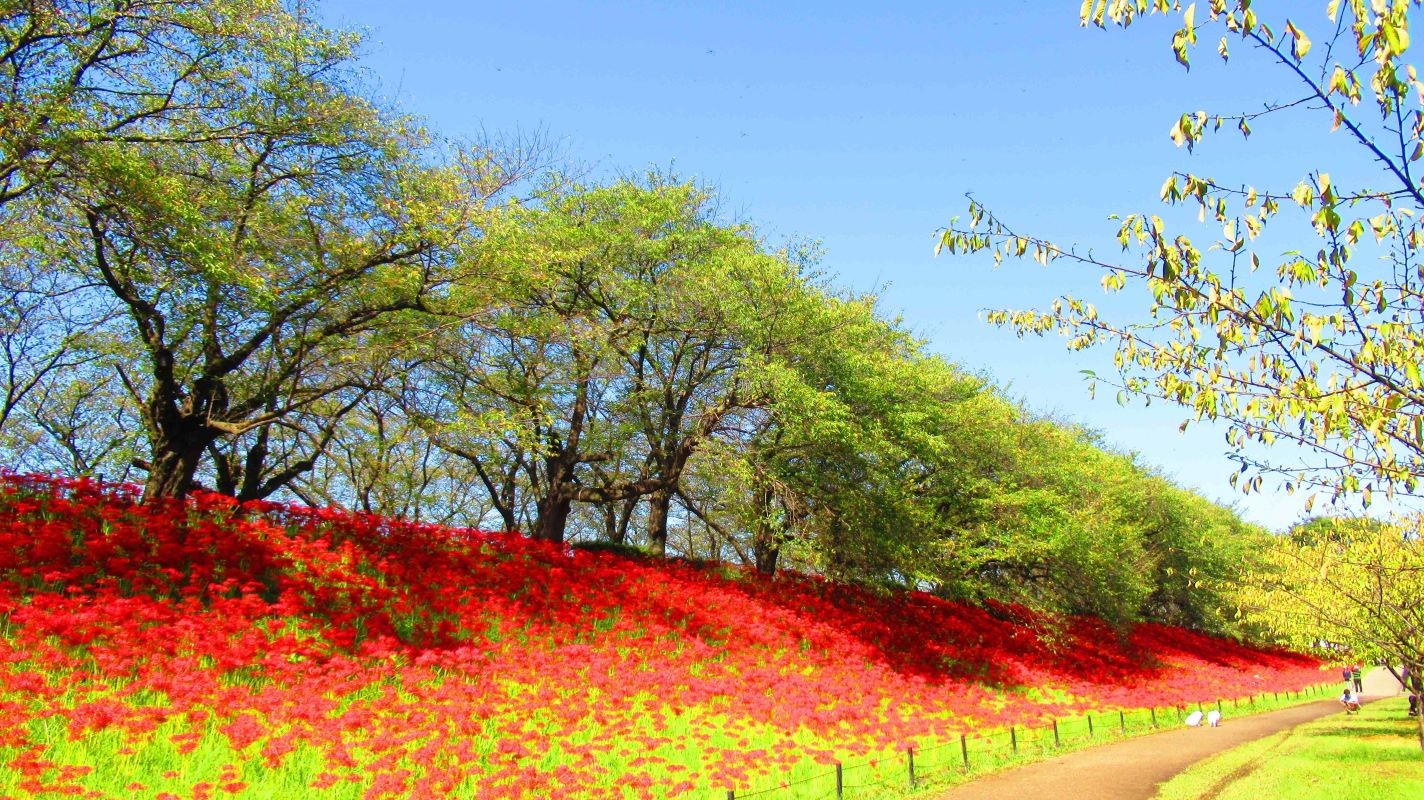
269,652
1374,754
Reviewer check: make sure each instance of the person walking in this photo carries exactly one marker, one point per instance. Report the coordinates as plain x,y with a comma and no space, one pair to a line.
1345,674
1357,677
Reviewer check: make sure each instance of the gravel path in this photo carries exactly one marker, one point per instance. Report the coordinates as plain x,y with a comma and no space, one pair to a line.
1131,769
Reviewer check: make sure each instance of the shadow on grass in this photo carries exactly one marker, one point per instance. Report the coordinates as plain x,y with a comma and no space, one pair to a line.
1364,730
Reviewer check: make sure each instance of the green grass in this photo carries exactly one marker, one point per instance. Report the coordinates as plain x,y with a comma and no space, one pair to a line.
1374,754
939,765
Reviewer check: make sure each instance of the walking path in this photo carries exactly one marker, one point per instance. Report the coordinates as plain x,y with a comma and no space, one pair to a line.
1131,769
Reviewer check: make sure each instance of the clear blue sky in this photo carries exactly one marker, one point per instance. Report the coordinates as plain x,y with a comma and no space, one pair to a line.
863,125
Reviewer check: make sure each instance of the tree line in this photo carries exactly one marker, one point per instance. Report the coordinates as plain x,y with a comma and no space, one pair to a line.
225,266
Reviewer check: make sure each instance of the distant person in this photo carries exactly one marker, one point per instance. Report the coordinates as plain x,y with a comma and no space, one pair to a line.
1350,701
1355,677
1413,704
1345,674
1194,719
1213,718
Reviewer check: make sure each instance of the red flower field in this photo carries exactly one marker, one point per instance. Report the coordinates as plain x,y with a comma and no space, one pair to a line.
203,649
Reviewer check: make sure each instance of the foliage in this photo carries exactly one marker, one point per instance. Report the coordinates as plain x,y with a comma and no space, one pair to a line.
1319,349
266,645
612,346
234,211
1034,511
225,266
1346,586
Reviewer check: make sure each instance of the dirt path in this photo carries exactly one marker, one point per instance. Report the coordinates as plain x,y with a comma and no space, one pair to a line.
1131,769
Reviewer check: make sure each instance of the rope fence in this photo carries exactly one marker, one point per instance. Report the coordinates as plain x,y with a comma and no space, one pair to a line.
915,767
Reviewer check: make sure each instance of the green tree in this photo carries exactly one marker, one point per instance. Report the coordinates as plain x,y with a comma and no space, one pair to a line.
1032,511
1321,347
1199,553
258,217
620,331
77,75
826,476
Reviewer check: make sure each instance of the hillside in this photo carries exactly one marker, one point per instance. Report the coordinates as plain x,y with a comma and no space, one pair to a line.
206,649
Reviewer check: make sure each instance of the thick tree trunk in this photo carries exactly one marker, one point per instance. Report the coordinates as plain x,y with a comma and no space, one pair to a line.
553,518
765,553
659,504
554,506
174,464
179,429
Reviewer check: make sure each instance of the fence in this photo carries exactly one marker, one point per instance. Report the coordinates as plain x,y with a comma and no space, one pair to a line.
918,767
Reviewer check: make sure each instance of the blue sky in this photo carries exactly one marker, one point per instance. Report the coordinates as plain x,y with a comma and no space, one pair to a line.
863,126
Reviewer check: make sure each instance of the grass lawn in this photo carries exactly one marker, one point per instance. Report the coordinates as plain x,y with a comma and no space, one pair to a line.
1374,754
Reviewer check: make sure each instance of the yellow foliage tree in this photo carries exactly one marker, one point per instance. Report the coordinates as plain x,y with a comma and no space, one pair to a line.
1351,584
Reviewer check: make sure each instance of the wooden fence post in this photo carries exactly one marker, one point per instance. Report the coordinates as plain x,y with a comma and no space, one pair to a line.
1153,712
1013,739
964,750
1122,721
1090,726
840,782
1056,741
910,751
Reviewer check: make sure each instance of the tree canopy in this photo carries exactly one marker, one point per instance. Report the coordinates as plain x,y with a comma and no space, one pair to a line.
229,268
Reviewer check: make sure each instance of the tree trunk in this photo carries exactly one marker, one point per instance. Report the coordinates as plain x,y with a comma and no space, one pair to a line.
610,524
766,545
659,503
174,464
625,516
615,519
1419,723
1416,687
553,519
178,429
765,552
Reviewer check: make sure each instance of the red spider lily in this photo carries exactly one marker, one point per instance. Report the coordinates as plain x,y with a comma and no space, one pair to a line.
422,661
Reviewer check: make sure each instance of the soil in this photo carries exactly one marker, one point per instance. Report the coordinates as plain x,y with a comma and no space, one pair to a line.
1133,768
